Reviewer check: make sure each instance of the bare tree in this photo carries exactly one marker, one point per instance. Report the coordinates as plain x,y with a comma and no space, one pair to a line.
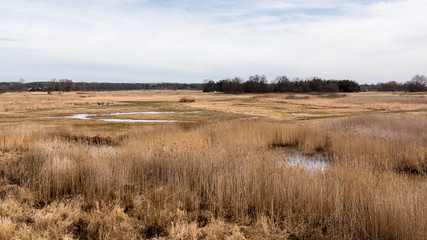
418,83
17,86
51,86
3,89
256,84
389,86
66,85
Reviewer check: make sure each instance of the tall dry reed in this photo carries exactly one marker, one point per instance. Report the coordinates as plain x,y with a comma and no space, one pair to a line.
229,171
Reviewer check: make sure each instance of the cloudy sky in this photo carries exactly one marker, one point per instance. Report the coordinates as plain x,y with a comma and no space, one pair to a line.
188,40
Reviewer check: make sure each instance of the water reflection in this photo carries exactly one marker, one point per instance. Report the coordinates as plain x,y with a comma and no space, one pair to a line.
301,114
295,158
98,117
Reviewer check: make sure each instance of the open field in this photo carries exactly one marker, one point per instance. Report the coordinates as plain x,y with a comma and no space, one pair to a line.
220,172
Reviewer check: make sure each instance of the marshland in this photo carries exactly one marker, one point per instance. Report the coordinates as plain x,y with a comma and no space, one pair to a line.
213,166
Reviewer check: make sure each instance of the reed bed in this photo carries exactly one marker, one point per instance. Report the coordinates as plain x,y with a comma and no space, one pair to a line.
223,180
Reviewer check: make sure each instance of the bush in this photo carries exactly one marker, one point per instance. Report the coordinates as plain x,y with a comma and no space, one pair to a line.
3,89
187,99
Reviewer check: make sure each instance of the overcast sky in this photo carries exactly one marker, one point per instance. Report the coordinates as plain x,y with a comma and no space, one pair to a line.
190,40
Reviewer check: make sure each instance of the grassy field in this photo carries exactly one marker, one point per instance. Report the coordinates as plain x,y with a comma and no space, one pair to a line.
221,172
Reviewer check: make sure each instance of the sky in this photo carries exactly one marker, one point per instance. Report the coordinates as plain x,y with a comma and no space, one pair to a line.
188,41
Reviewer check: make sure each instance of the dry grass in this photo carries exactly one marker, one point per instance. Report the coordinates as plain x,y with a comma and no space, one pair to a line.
228,172
217,180
272,105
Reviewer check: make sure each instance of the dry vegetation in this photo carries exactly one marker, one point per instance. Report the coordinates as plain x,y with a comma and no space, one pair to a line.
187,99
216,179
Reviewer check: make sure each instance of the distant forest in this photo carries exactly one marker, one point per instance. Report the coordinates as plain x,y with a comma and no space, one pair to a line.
259,84
254,84
67,85
417,84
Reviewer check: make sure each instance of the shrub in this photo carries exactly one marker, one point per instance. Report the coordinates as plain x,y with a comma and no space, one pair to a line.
187,99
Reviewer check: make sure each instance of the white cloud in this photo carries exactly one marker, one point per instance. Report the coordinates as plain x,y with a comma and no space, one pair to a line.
143,41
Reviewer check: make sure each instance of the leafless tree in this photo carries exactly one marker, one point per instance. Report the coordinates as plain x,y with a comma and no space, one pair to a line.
51,86
66,85
418,83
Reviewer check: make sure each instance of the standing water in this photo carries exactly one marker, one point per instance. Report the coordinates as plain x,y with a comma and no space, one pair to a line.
85,116
295,158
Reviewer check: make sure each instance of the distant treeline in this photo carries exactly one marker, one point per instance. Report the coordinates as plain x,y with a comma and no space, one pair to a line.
259,84
67,85
417,84
254,84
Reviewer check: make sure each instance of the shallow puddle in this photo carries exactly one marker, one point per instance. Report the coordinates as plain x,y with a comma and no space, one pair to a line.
98,117
303,114
295,158
138,120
